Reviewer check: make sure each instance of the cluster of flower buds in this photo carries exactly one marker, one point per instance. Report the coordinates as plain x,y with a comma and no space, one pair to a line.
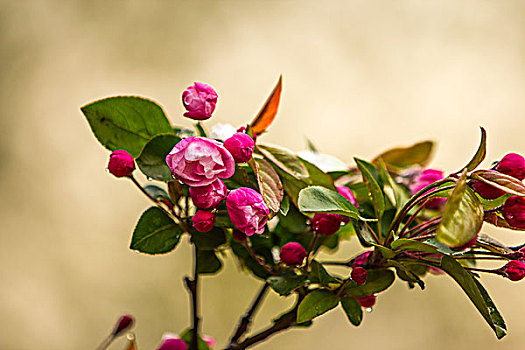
201,163
511,164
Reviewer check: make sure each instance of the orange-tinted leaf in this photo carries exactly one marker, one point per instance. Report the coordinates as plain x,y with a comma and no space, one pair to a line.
268,111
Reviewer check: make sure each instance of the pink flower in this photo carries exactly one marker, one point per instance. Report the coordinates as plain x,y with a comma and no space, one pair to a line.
121,163
359,275
514,211
210,341
241,147
292,254
209,196
514,270
203,220
427,177
347,193
325,223
247,210
362,258
199,100
513,165
368,301
124,323
199,161
172,342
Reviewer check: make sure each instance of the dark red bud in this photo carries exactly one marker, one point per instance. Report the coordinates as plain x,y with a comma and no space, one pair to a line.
124,323
359,275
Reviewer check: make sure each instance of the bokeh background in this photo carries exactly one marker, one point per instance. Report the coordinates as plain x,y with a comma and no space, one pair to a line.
359,77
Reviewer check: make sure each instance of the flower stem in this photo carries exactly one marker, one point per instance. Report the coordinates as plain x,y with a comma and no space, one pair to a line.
192,286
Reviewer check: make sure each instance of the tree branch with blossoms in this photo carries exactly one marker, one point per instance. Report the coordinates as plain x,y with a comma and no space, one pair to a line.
222,187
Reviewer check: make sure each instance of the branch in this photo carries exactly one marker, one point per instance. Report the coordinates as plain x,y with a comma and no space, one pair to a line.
246,320
192,285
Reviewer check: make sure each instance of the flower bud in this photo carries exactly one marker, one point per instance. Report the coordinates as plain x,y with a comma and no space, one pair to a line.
172,342
514,211
209,196
347,193
203,220
124,323
513,165
368,301
121,163
487,191
427,177
362,258
325,223
247,210
292,254
199,100
359,275
241,146
210,341
514,270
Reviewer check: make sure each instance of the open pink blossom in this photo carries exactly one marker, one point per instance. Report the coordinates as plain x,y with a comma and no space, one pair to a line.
247,210
199,100
199,161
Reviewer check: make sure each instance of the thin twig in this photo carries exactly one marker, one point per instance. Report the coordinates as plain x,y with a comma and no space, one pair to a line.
246,320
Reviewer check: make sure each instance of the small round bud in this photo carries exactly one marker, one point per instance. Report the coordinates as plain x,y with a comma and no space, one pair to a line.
203,220
241,146
124,323
121,163
513,165
209,196
514,270
368,301
199,100
514,211
292,254
325,223
172,342
359,275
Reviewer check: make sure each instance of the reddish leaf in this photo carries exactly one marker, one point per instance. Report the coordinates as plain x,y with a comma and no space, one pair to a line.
268,112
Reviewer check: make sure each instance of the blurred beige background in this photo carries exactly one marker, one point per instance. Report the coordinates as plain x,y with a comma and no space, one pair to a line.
359,77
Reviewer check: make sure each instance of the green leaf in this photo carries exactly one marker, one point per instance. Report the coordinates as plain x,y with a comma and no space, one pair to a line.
152,159
284,285
270,185
209,240
499,323
401,196
318,274
480,153
403,244
462,216
406,274
377,281
126,122
479,297
315,304
240,178
353,310
285,206
155,233
404,157
316,199
284,160
365,234
374,190
291,185
157,192
187,336
207,262
317,177
247,261
501,181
